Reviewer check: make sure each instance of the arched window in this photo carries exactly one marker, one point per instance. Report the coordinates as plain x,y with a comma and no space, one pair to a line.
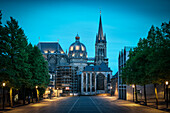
108,78
100,81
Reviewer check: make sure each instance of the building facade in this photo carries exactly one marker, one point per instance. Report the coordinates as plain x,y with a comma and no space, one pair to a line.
123,57
95,79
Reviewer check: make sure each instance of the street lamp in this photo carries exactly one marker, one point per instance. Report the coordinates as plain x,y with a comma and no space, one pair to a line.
37,99
166,83
50,92
111,90
36,87
133,86
57,92
3,84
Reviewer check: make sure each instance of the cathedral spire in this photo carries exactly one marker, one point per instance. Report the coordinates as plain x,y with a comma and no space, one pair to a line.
100,31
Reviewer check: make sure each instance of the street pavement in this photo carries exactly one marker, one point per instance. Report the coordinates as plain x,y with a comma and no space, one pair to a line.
84,104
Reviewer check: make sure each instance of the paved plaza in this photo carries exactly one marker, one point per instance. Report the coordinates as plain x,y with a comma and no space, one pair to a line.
84,104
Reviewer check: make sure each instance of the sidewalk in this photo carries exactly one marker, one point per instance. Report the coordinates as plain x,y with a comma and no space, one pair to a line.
18,106
150,103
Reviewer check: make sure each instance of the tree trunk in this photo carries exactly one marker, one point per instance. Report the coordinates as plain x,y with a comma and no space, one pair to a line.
164,90
11,100
156,95
136,94
145,103
32,97
23,95
169,95
29,96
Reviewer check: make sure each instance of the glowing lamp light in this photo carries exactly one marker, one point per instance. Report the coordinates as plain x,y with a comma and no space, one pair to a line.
111,87
36,87
133,86
50,87
166,82
3,84
52,51
45,51
81,54
62,52
67,88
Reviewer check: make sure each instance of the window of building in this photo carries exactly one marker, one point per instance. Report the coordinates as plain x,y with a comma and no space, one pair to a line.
73,55
77,47
52,51
45,51
81,54
108,78
82,48
71,48
62,52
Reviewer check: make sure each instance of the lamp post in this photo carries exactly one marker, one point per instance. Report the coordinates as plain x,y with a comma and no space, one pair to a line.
166,83
133,86
3,84
37,93
50,92
57,92
111,90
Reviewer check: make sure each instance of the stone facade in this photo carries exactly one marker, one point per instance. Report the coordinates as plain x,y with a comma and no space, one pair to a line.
114,85
95,79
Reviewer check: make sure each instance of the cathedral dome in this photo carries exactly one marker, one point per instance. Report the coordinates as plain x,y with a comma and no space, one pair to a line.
77,49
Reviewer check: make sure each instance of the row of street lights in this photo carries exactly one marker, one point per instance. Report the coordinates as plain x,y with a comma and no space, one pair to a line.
3,91
166,83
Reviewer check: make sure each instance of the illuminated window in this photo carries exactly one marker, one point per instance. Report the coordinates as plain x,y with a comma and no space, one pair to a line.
86,56
102,38
77,47
82,48
73,55
71,48
62,52
81,54
45,51
52,51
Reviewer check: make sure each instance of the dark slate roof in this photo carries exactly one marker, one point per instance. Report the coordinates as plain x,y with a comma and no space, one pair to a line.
101,68
50,46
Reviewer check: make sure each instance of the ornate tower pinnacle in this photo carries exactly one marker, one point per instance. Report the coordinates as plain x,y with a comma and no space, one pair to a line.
100,46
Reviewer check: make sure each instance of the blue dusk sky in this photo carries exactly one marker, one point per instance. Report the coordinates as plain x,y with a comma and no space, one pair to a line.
124,21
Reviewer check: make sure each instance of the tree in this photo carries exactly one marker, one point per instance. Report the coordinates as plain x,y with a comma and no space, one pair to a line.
149,62
23,65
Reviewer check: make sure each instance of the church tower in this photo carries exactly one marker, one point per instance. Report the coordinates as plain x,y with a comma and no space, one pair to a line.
100,46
